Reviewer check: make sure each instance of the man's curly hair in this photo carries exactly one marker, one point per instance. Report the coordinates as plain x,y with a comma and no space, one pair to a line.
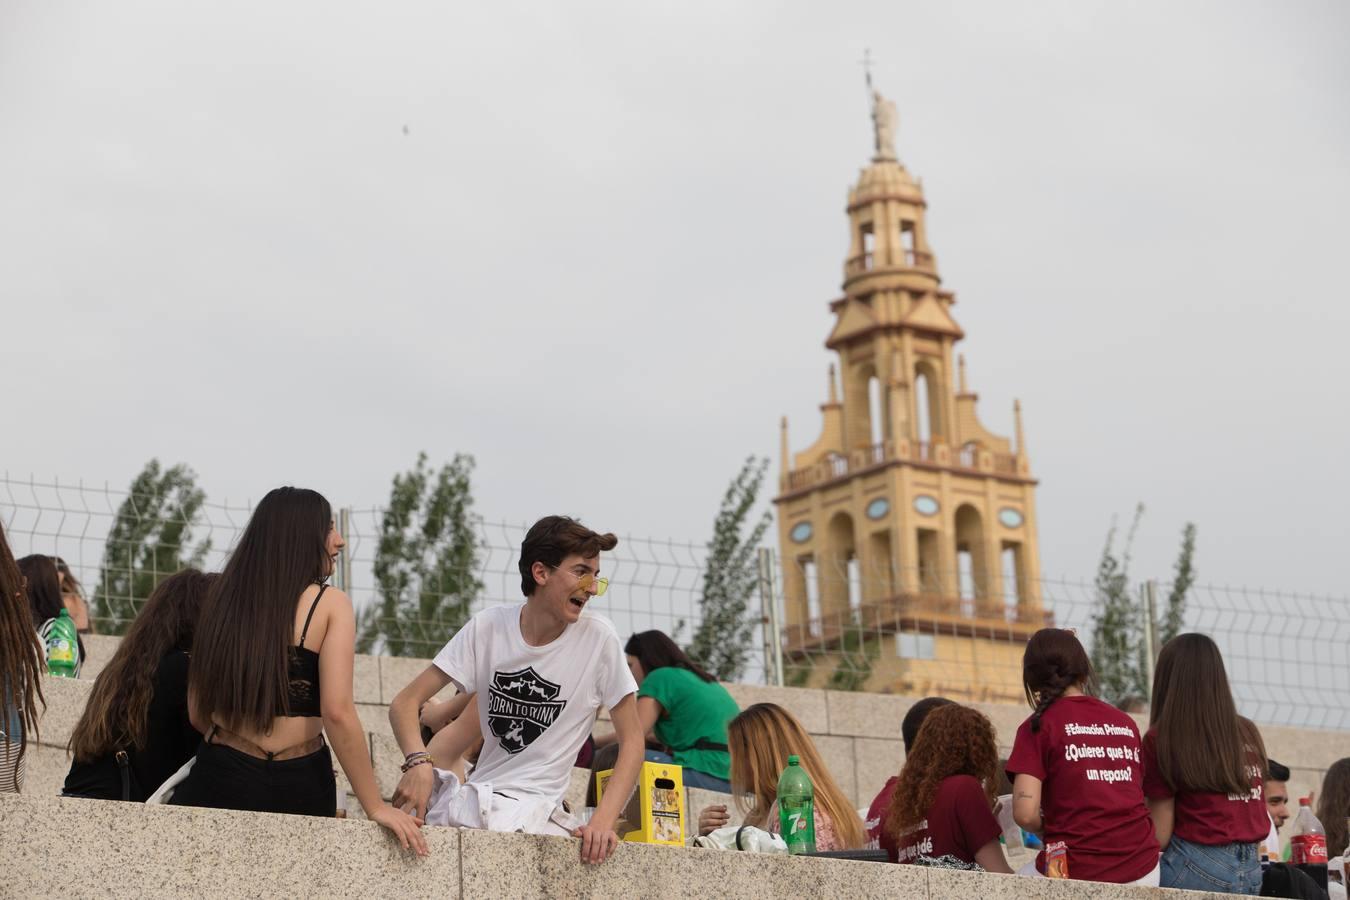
954,740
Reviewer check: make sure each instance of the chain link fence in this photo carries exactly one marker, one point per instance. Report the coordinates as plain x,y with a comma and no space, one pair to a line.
654,583
1288,654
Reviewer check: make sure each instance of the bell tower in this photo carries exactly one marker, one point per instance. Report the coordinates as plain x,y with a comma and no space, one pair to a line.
906,517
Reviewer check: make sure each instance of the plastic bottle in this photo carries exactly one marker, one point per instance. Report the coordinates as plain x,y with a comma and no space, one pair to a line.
1309,843
62,645
796,808
1308,846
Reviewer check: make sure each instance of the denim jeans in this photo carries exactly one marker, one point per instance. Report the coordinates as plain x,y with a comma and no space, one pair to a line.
1223,869
693,778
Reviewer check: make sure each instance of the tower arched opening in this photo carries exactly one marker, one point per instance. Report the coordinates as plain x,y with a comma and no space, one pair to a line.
876,413
972,567
928,400
835,581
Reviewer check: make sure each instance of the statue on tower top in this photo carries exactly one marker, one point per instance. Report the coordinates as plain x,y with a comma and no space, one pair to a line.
884,121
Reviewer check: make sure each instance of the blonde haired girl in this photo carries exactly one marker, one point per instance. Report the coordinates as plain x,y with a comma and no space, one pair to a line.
760,740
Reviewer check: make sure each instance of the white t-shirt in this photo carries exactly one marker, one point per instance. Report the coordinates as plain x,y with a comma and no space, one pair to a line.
536,705
1273,841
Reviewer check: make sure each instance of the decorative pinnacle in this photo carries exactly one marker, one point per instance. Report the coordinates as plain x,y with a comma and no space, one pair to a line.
783,442
1021,447
961,373
834,393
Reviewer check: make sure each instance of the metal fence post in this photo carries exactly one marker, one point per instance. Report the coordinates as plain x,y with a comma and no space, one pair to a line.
768,601
1149,589
344,569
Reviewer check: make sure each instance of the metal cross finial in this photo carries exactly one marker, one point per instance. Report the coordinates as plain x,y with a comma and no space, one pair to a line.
867,68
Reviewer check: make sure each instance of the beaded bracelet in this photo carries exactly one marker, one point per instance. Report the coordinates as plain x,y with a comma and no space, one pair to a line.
411,764
416,759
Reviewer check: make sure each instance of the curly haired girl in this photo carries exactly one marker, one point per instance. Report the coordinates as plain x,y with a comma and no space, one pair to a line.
942,810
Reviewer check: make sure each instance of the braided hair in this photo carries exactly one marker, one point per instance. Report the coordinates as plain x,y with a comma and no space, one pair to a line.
1054,661
22,662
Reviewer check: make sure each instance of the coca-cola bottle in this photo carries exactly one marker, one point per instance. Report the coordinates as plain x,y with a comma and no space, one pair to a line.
1308,846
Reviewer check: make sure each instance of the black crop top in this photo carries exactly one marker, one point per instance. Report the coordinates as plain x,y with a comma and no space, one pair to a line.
303,670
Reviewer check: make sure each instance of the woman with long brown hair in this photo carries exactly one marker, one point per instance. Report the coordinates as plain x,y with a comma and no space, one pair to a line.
22,662
760,741
1203,766
942,810
45,602
135,731
271,674
1076,772
1333,806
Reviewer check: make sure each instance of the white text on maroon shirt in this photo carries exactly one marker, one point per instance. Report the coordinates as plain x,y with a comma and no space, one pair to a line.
918,848
1117,754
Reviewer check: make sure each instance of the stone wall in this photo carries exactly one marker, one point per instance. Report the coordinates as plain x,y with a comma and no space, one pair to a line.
78,848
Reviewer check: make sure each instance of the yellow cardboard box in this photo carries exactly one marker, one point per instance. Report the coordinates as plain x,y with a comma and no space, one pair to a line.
655,813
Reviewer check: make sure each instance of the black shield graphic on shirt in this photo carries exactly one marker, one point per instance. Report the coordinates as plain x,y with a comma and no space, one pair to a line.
521,706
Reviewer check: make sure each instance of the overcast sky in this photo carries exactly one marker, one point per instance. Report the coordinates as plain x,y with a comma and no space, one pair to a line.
600,256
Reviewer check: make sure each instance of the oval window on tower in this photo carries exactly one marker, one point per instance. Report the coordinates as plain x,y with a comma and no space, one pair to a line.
1010,517
801,532
925,505
878,508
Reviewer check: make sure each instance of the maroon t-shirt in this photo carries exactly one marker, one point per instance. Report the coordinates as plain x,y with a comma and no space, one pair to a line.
1205,817
1087,757
958,824
876,815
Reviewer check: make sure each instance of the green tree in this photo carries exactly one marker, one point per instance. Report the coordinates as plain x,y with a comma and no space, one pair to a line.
1115,623
1173,615
1183,578
426,564
722,641
149,541
856,655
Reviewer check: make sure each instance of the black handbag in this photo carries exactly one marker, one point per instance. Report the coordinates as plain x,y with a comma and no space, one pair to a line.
130,785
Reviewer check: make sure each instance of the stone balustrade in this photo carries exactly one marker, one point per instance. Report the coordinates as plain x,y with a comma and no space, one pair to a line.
78,848
937,455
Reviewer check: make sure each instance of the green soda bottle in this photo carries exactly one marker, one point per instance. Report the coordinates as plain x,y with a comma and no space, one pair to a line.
61,647
796,804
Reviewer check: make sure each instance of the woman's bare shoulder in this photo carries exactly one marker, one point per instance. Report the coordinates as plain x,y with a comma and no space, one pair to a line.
334,605
334,596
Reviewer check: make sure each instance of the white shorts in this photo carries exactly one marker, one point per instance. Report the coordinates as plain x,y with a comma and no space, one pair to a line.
472,805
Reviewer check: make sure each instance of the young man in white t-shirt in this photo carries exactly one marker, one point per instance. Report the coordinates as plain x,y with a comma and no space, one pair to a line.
539,672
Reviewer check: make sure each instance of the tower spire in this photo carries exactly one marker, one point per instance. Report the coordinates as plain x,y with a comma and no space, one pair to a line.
783,445
904,479
1021,447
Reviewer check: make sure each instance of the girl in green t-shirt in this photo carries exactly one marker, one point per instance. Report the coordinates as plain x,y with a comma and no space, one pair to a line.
683,707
